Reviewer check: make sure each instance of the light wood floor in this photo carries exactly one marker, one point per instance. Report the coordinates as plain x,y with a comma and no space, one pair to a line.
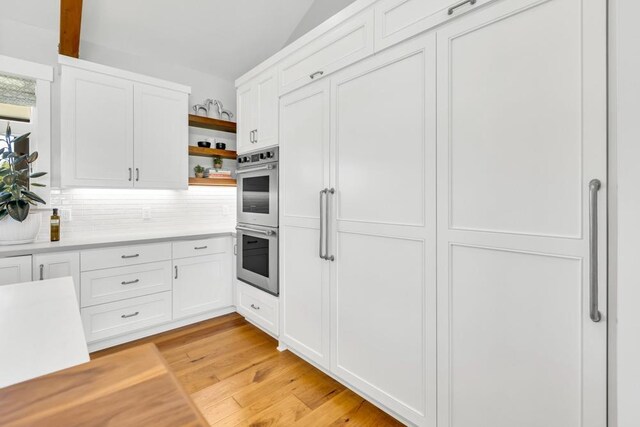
236,376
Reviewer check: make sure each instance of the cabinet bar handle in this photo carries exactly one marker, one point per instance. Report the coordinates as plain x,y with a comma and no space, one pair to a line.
176,268
594,187
319,73
131,282
235,249
255,307
320,252
197,248
41,271
126,316
130,174
326,228
455,6
130,256
255,136
137,174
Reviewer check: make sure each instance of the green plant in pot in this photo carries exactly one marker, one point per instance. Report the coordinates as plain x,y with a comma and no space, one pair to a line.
199,171
17,223
217,163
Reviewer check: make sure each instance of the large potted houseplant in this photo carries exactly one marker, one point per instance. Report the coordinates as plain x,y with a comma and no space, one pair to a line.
17,223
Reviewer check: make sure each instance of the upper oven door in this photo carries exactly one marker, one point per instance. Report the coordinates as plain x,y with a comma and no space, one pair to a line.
258,195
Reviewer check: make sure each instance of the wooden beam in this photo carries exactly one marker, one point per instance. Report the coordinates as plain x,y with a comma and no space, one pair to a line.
70,20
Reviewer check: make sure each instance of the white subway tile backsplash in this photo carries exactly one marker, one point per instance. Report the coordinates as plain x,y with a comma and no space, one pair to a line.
100,212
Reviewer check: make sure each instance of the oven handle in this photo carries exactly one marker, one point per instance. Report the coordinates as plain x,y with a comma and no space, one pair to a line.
258,168
255,230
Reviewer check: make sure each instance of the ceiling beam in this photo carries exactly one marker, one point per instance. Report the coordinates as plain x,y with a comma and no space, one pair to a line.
70,20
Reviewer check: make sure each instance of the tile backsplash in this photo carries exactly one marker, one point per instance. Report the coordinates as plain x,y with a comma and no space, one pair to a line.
88,213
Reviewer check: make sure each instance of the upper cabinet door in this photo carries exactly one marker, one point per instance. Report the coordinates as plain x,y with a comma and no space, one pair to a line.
96,130
397,20
266,112
343,45
161,132
246,121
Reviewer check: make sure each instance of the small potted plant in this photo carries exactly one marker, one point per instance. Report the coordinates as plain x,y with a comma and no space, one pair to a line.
17,223
217,163
199,170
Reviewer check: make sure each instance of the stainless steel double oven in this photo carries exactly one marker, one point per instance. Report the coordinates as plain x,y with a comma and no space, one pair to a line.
257,228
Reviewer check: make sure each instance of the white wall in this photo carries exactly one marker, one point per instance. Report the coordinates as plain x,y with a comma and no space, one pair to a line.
320,11
625,126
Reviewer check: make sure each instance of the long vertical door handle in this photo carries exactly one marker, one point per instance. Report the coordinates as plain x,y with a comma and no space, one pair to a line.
320,252
326,228
594,187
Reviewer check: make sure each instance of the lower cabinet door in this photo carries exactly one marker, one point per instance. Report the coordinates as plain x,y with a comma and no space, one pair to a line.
201,284
53,266
121,317
15,270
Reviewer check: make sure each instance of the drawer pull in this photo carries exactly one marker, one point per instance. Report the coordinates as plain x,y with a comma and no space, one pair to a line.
255,307
126,316
455,6
197,248
130,256
131,282
319,73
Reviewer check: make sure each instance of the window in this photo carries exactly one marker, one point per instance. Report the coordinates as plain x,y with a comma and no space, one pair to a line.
17,98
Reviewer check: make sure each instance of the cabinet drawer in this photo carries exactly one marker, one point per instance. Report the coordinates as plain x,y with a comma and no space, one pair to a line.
122,256
116,318
190,248
258,307
114,284
341,46
397,20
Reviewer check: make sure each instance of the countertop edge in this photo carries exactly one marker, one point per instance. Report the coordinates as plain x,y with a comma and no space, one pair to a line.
105,242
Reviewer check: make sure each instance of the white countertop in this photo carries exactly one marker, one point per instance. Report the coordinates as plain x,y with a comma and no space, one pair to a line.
112,240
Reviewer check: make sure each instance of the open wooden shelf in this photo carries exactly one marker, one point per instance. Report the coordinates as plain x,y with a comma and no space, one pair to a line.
210,152
213,124
212,182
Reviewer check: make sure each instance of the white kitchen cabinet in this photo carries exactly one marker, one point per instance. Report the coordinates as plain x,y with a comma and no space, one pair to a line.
55,265
522,130
258,113
201,284
161,130
398,20
341,46
121,130
358,260
259,307
382,229
96,129
304,172
15,270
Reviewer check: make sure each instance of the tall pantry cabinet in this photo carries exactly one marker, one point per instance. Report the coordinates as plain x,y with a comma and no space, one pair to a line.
481,141
369,315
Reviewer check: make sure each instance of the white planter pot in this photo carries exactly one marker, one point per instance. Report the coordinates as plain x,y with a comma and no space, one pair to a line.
13,232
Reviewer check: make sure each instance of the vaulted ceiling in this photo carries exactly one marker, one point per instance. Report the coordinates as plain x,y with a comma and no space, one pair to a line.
225,38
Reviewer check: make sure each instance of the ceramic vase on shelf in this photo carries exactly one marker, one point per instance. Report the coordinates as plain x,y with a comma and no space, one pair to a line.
13,232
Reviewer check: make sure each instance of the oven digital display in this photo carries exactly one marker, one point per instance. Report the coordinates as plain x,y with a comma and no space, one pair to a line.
255,158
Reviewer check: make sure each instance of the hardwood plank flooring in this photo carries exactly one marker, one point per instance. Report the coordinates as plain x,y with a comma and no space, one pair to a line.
237,377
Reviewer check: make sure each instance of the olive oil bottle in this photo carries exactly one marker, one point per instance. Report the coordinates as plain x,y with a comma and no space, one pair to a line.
55,226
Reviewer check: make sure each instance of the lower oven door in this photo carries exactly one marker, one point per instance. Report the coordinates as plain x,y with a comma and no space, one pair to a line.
258,257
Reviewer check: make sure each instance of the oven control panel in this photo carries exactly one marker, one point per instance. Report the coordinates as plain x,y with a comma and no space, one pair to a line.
268,155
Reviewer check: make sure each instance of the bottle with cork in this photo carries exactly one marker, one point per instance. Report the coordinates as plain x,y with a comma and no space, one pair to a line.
55,226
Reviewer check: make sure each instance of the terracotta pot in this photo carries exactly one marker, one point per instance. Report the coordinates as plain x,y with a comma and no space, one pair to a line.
13,232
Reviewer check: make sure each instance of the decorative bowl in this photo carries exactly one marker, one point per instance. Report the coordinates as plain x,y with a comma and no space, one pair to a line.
204,144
